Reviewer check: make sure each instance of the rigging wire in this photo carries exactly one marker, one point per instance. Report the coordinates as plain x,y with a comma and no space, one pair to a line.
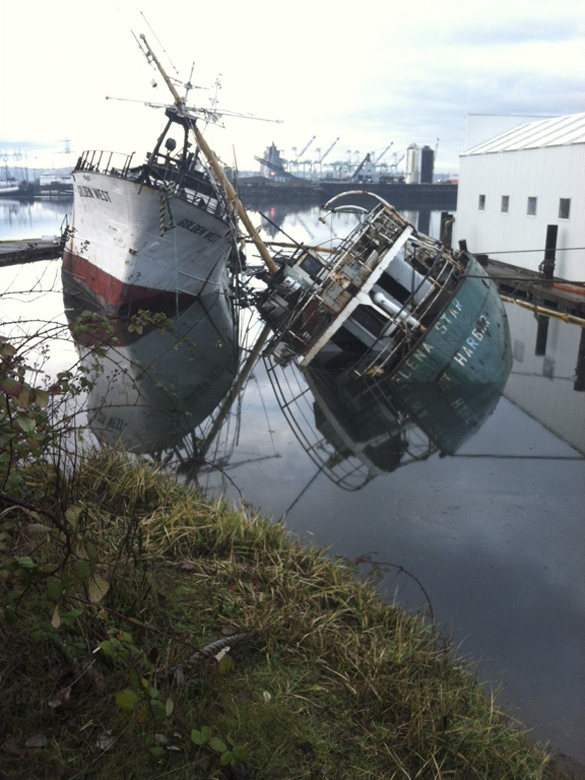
159,43
526,251
493,456
305,489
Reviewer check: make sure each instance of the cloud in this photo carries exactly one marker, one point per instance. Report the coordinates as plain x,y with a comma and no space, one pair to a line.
370,77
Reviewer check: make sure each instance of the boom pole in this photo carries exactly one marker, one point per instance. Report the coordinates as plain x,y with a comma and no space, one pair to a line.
149,53
233,199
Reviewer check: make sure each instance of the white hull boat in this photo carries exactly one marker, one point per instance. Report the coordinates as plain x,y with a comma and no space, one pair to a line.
139,238
144,236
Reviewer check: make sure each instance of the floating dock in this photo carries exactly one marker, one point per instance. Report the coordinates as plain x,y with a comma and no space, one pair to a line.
560,295
29,250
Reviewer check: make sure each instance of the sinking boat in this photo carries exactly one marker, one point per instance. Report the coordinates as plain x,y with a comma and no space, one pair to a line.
149,234
120,250
389,303
143,234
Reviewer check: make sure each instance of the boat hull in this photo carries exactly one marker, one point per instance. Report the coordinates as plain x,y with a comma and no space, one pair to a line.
9,191
453,378
469,342
136,246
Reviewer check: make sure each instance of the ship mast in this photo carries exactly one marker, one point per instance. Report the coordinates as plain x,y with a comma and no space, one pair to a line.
215,166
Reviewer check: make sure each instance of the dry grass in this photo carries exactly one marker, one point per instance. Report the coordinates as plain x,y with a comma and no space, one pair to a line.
331,683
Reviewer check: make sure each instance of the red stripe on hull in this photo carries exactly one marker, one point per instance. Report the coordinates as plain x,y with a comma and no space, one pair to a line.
110,293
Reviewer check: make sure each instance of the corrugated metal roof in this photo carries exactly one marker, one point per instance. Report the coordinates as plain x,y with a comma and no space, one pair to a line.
560,131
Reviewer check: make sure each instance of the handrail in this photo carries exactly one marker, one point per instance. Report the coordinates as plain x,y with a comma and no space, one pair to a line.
185,185
92,160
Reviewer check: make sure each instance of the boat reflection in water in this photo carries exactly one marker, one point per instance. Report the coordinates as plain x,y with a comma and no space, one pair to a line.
154,387
355,429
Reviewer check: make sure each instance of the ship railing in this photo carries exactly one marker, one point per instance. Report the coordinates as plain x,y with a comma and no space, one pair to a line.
379,231
296,402
101,161
185,181
383,360
206,201
345,468
161,173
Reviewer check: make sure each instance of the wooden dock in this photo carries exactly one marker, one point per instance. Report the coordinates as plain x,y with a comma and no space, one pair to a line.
29,250
557,294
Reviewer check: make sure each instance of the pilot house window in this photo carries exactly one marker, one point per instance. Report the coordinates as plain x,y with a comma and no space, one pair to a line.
531,207
481,204
505,204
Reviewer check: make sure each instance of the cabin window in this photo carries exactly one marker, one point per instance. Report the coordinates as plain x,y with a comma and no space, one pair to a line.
481,204
312,266
564,208
370,319
531,207
505,204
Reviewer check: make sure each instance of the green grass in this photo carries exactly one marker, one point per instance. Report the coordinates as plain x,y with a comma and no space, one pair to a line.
330,683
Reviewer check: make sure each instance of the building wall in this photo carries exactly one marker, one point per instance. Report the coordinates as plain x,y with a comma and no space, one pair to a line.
546,173
57,176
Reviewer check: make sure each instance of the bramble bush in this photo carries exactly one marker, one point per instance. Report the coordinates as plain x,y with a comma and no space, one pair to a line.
52,582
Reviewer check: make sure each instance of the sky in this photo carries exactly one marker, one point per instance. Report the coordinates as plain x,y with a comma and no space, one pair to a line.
369,74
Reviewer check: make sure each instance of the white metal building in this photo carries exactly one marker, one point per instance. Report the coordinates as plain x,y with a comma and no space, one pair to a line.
514,185
56,176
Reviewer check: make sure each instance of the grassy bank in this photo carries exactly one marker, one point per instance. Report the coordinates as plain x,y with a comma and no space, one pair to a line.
322,679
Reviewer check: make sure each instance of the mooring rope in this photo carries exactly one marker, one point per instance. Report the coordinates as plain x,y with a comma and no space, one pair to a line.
176,673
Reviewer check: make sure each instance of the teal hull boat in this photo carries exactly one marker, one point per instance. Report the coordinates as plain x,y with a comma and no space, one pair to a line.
389,303
394,316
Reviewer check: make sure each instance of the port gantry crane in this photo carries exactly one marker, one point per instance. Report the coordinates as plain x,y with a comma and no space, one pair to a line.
324,155
383,153
304,149
297,161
